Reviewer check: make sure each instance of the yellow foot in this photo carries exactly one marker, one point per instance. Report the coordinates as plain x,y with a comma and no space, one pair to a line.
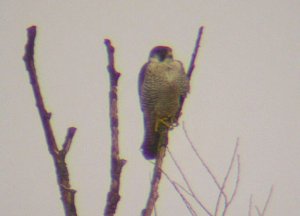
167,121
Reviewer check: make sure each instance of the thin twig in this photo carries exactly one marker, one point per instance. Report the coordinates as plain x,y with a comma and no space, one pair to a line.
221,188
268,201
58,156
185,201
185,190
237,181
117,164
226,178
201,159
188,185
266,204
228,202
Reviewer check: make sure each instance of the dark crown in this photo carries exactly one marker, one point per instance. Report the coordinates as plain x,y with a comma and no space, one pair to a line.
161,51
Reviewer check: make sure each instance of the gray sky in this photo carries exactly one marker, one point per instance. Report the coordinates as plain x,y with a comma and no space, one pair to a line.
246,84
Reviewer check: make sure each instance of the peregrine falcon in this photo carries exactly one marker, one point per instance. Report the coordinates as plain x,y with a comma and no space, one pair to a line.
162,85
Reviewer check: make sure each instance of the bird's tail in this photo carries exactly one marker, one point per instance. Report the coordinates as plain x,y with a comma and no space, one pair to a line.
153,139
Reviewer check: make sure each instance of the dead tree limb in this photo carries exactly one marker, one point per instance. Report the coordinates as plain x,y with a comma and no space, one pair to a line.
195,53
153,195
117,164
192,64
58,156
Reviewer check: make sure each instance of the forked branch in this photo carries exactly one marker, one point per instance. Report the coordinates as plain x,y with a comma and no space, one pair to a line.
228,199
258,211
58,156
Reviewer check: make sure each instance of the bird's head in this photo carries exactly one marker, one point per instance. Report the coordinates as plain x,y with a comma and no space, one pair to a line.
161,53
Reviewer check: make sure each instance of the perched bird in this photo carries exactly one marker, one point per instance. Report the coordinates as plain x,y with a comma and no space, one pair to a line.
162,85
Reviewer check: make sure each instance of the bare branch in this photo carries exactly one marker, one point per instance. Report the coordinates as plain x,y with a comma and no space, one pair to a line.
58,156
189,186
176,187
268,201
182,188
44,114
201,159
220,187
192,64
228,202
195,53
117,164
236,182
153,195
266,204
68,140
226,178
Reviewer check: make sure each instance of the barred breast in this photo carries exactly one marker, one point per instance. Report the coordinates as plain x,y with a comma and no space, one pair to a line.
164,84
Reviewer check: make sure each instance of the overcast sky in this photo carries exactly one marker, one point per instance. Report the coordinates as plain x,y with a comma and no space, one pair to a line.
246,84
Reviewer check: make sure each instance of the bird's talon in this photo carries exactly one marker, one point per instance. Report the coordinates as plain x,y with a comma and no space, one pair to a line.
167,121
